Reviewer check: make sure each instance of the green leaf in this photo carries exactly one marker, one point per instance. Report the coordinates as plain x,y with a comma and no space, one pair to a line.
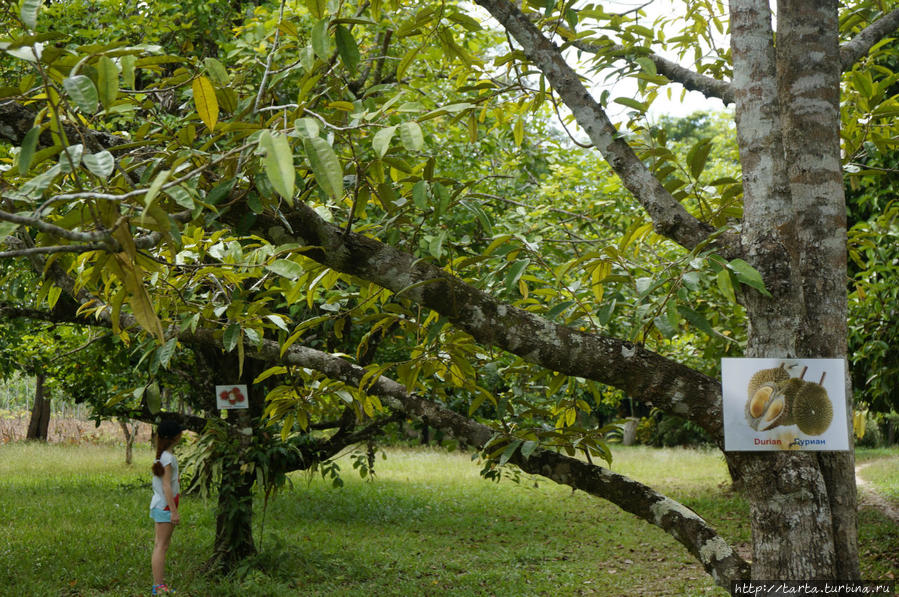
646,64
405,61
127,63
630,103
325,166
220,191
410,135
316,7
347,48
557,309
82,91
217,71
154,187
518,132
509,451
527,448
746,274
166,351
381,141
286,269
26,153
726,286
515,272
7,228
37,185
420,194
205,101
181,196
107,81
604,313
28,12
307,127
698,155
70,158
278,163
696,319
101,164
321,41
231,337
278,321
476,403
664,326
154,398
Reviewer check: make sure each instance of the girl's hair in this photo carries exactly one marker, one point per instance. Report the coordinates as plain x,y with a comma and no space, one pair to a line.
162,444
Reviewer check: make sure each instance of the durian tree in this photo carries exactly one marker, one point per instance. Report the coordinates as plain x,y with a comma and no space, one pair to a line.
343,158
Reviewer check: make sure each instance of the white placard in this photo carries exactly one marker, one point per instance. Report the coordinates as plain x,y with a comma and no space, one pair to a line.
789,406
232,397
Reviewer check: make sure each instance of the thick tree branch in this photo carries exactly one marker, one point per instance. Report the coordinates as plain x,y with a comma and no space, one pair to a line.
718,558
641,373
669,217
16,120
861,44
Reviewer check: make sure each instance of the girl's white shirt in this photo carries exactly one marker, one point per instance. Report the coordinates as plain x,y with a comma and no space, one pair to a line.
158,501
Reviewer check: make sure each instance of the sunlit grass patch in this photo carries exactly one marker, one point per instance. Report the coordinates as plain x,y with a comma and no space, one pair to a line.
73,521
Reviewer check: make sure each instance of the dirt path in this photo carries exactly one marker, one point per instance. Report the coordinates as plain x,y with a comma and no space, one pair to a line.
868,496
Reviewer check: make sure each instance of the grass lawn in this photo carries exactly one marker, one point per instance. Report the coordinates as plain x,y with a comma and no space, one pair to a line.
73,521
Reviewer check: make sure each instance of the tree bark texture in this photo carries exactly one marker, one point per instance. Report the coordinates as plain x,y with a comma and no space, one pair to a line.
233,519
39,424
794,231
809,83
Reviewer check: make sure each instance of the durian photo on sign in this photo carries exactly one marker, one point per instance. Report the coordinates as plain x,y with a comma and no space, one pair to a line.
784,404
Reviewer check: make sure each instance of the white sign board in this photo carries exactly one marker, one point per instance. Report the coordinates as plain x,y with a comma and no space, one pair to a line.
784,404
232,397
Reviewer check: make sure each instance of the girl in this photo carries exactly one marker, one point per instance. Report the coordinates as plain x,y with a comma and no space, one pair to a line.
166,494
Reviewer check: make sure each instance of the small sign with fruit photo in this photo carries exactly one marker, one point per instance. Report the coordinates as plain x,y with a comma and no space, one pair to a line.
784,404
231,397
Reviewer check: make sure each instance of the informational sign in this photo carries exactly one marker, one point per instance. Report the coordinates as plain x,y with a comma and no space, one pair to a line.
784,404
232,397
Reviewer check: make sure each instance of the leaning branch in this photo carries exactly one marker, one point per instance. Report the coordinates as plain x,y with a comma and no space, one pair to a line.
669,217
861,44
641,373
700,539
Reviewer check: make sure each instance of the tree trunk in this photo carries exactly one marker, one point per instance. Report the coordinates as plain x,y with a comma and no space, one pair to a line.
802,505
234,514
130,435
629,433
233,520
425,437
39,424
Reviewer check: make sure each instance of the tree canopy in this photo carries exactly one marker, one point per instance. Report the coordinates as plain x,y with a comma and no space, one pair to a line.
368,208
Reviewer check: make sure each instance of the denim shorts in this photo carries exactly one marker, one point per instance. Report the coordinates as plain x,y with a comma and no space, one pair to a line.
160,515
